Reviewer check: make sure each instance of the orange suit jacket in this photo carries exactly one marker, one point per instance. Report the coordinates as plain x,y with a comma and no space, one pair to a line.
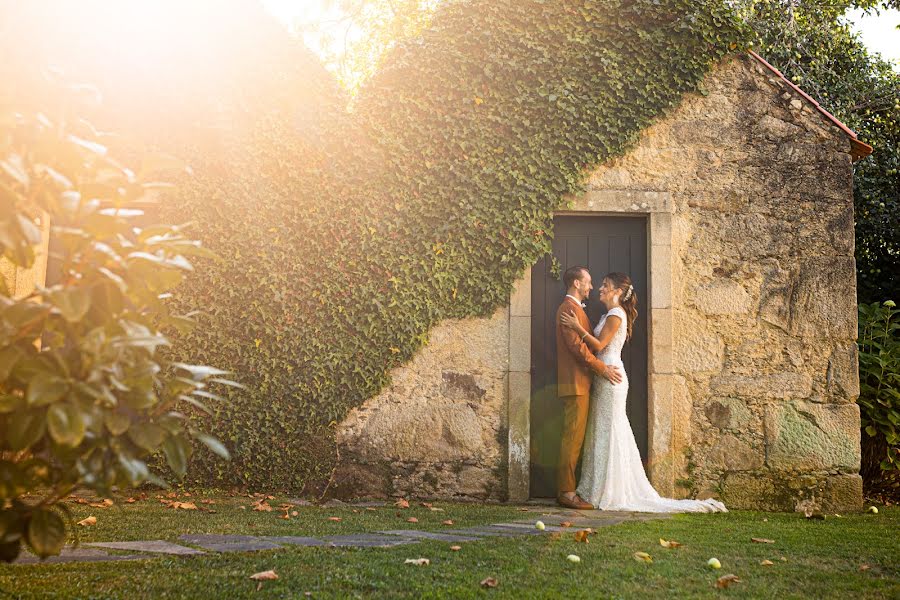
575,364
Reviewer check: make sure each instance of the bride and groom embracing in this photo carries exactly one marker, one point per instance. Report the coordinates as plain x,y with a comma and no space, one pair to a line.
593,386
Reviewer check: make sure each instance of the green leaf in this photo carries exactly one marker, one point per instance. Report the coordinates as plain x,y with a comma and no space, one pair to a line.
45,390
10,403
46,532
73,303
25,429
9,356
148,436
177,451
65,424
134,469
116,423
214,445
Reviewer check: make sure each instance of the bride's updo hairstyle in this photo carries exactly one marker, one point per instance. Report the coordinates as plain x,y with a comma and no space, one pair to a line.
628,299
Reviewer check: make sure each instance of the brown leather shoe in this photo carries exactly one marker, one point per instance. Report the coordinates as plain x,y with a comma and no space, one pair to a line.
576,502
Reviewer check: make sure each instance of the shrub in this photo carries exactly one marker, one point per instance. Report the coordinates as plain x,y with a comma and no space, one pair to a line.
879,381
85,395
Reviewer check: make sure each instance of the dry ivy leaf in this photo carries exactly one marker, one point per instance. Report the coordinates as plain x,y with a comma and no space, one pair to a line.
264,575
565,524
262,506
864,567
130,500
334,518
419,562
270,497
581,536
207,501
725,580
489,582
187,494
642,557
242,507
456,548
435,509
447,522
88,521
402,503
669,543
370,508
171,495
294,513
183,505
427,504
762,541
767,563
412,520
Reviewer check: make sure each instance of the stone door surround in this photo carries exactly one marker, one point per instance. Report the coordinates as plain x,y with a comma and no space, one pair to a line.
657,206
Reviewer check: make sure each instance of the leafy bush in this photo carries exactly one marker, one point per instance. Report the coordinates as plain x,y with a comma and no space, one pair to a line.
879,378
85,395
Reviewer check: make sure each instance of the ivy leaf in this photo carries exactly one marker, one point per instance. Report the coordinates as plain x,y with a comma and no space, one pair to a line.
45,390
25,429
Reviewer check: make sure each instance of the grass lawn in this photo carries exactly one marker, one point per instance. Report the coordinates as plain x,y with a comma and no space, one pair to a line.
821,558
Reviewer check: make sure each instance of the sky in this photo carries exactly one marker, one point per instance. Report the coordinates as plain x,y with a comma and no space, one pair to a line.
879,32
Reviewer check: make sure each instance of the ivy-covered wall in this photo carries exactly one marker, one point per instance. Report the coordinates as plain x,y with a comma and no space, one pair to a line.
345,237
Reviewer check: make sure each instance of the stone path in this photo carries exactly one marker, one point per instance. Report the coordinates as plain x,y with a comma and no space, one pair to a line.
199,544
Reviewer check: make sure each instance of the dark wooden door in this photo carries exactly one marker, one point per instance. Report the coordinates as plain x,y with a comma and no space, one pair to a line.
603,245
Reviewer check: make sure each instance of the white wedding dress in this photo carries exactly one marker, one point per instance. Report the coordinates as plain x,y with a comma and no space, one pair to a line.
612,476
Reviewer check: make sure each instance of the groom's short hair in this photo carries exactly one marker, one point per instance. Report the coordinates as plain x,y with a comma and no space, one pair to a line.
572,275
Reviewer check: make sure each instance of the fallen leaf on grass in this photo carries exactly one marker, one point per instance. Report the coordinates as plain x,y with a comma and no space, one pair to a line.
183,505
262,506
489,582
762,541
88,521
412,520
669,543
456,548
767,563
294,513
565,524
642,557
370,508
334,518
725,580
419,562
207,501
447,522
427,504
401,503
581,536
523,510
264,575
105,504
864,567
435,509
130,500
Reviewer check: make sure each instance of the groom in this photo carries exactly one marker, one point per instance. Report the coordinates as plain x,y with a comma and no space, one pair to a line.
575,367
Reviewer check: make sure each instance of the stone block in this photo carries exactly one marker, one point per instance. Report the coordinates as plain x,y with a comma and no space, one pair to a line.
748,491
733,454
803,435
842,493
430,535
520,300
154,546
773,385
722,297
698,352
520,344
728,413
460,386
821,306
843,373
519,450
661,274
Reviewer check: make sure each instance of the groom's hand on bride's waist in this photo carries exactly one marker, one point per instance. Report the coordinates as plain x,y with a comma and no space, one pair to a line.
614,374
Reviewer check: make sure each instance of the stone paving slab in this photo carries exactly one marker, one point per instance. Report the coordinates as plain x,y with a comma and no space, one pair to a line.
450,536
367,540
230,543
529,526
292,540
155,546
72,554
487,531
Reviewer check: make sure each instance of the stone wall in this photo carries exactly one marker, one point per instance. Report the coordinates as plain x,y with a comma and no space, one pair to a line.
763,372
764,294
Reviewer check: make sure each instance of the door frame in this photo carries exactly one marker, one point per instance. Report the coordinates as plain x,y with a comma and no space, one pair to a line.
657,207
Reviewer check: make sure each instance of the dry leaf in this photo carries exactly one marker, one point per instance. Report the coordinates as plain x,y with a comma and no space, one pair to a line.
767,563
864,567
370,508
130,500
427,504
642,557
523,510
762,541
242,507
412,520
456,548
447,522
270,497
171,495
565,524
88,521
187,494
262,506
581,536
294,513
669,543
725,580
419,562
401,503
555,535
334,518
490,582
207,502
435,509
264,576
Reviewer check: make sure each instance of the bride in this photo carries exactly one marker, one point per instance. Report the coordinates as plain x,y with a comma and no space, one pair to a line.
612,476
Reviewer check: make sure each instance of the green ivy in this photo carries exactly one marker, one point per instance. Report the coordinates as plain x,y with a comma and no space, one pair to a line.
345,236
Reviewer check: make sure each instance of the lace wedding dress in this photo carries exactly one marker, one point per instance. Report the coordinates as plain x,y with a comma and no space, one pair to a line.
612,476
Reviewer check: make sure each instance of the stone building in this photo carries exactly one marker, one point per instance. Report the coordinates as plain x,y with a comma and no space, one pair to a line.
734,216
